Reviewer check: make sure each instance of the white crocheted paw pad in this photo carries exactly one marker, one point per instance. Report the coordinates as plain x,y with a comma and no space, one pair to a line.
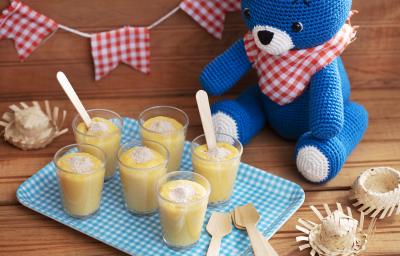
223,123
312,164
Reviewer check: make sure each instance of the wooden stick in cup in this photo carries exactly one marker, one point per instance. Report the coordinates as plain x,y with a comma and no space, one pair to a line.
203,105
73,97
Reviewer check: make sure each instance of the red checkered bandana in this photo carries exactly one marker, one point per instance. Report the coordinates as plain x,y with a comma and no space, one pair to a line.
283,78
26,27
210,14
129,45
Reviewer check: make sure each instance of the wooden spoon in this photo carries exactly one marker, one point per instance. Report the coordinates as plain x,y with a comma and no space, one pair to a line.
273,252
248,217
218,226
73,97
203,105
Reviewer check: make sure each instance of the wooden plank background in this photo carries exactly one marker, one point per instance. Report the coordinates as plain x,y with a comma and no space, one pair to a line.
180,48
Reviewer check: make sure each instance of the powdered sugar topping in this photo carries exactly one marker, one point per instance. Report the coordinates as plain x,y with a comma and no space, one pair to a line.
142,155
182,193
218,153
81,164
97,126
162,126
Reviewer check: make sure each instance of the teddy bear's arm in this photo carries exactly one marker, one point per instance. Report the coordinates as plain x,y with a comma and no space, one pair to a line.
225,71
326,103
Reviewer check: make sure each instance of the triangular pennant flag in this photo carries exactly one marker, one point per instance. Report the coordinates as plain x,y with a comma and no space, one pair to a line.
210,14
129,45
26,27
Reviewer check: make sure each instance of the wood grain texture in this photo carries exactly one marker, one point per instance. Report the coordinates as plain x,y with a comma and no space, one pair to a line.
180,48
38,234
380,147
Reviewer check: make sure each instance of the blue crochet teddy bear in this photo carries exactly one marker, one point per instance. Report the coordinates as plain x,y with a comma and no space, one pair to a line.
303,91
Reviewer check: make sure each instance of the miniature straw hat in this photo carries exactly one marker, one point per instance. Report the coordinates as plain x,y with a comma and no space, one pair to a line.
28,127
338,234
377,190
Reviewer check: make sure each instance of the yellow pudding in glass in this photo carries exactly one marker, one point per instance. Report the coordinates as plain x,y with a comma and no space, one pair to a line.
104,132
218,165
166,125
81,177
183,199
140,169
168,132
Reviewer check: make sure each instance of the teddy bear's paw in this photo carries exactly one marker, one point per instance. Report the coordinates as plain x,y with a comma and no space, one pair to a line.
225,124
312,164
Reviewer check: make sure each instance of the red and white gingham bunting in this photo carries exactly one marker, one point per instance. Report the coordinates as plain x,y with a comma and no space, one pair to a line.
210,14
129,45
26,27
283,78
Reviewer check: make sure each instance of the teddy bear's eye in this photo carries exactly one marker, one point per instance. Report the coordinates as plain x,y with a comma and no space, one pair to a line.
297,27
246,13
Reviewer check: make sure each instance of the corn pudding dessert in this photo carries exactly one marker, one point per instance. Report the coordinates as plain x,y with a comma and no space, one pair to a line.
168,132
81,178
104,134
219,166
140,169
182,206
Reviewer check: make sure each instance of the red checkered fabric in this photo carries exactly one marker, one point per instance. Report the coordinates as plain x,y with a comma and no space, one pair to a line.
210,14
283,78
26,27
129,45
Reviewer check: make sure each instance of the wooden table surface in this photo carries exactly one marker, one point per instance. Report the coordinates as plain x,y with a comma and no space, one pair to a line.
179,50
23,231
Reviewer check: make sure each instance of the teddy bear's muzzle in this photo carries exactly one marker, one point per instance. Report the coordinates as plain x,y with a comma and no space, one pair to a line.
272,40
265,36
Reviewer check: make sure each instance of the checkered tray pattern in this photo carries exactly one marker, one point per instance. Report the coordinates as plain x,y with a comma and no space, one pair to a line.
275,198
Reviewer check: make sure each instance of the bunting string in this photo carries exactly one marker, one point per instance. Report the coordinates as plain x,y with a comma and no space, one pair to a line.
164,18
129,45
74,31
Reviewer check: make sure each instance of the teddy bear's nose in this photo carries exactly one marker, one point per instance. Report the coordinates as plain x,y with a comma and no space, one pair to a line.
265,36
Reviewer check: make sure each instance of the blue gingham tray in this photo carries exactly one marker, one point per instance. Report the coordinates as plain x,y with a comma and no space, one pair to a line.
275,198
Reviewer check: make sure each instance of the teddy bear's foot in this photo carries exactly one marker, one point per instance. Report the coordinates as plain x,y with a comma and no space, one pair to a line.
242,118
319,160
312,163
224,123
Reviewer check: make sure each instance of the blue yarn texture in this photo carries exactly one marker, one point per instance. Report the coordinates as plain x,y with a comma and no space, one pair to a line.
323,116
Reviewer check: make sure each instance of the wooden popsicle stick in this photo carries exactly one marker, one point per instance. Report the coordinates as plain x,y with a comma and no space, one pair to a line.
73,97
260,248
213,249
271,250
219,225
248,217
203,105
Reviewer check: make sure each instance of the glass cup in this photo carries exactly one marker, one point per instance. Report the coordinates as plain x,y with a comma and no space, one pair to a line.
109,142
81,191
139,183
220,173
182,222
174,141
